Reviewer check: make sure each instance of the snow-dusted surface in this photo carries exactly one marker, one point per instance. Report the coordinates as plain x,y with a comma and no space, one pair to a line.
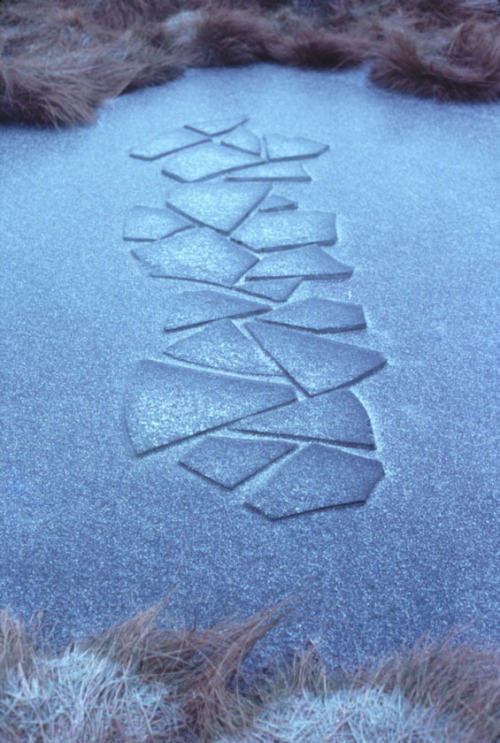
89,530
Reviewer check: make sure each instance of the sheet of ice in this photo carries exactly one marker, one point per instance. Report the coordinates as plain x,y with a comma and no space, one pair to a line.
200,255
166,403
222,206
231,461
415,187
314,478
335,417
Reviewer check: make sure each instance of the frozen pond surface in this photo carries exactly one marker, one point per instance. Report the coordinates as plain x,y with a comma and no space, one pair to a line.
87,527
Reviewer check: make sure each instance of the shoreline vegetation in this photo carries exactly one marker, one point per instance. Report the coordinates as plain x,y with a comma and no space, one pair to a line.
60,59
141,682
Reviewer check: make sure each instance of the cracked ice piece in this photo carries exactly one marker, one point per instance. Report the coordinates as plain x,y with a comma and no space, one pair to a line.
199,255
144,223
243,139
167,143
276,203
315,364
276,289
214,127
287,229
189,309
221,345
291,148
209,161
315,478
168,403
319,316
230,461
310,262
336,417
222,206
292,172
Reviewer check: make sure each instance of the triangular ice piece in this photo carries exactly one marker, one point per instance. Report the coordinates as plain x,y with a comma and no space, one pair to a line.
243,139
209,161
214,127
310,262
292,148
199,255
188,309
231,461
168,403
316,364
315,478
291,172
319,315
222,206
144,223
287,229
277,203
221,345
167,143
336,417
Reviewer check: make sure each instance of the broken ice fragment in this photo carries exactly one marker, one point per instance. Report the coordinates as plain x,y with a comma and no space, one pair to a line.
315,478
231,461
168,403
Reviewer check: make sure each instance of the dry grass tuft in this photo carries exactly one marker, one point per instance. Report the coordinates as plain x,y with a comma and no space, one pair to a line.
453,678
140,682
60,59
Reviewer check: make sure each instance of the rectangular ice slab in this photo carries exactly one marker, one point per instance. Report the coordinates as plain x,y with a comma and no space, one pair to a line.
168,403
222,206
207,161
146,223
198,254
287,229
166,144
314,478
315,364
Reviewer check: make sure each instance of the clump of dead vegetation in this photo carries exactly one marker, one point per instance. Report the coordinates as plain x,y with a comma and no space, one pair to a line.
141,682
59,59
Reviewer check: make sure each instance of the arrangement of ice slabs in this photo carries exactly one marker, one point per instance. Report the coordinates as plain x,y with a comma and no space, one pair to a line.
251,376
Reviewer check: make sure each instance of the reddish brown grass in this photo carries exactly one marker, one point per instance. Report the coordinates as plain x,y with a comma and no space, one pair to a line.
60,59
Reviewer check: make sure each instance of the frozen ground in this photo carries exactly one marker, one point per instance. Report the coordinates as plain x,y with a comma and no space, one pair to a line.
88,529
